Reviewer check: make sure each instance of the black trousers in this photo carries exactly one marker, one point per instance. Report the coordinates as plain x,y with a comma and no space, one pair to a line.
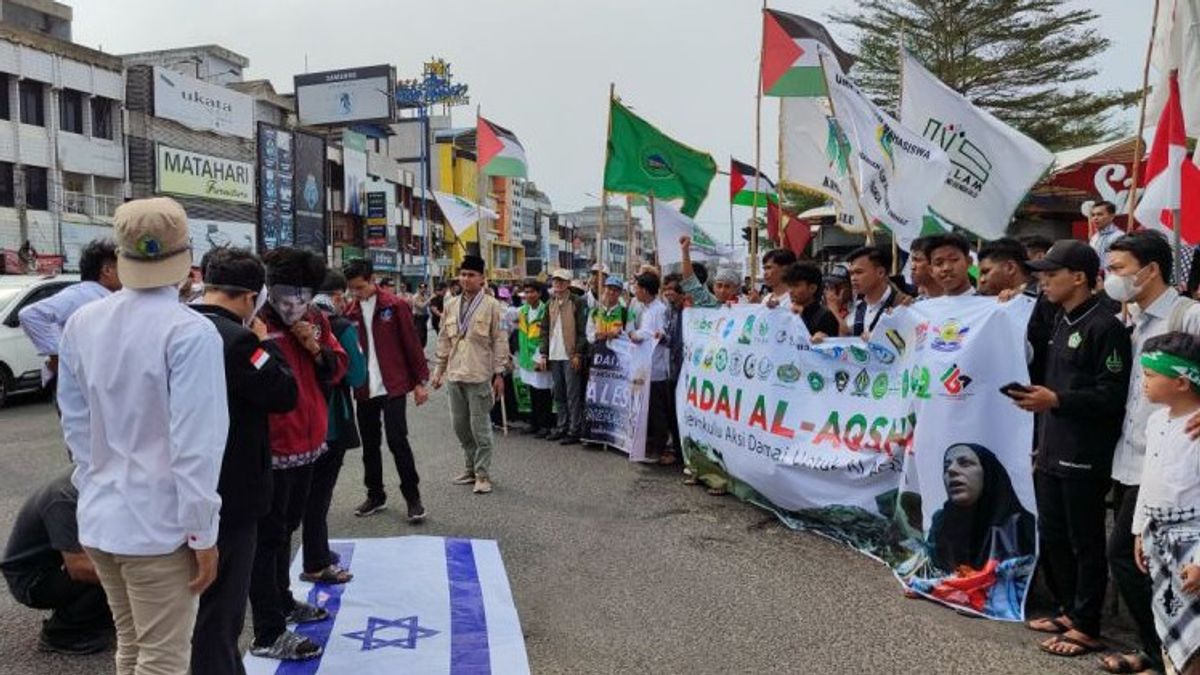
270,586
541,409
673,415
1135,588
79,611
1071,527
223,606
395,423
422,324
315,536
658,419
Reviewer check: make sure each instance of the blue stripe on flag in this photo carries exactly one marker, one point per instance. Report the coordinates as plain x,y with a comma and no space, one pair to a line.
319,632
468,622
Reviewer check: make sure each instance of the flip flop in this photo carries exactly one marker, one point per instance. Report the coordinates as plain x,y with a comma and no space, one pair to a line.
1130,662
1083,647
330,575
1060,625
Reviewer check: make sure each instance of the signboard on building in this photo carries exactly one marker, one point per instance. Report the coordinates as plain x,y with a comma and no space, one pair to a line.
276,193
354,170
382,259
377,234
196,104
209,234
183,172
309,191
339,97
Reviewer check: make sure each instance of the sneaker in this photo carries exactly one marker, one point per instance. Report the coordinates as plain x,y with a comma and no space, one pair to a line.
465,479
303,612
91,645
416,512
288,646
541,433
370,507
482,486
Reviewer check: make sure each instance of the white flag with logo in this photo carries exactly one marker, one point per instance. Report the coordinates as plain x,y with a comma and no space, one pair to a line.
898,171
460,212
992,165
670,225
814,154
416,605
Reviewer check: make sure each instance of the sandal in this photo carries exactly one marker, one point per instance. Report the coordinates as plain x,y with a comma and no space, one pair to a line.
1057,625
1126,662
666,459
691,480
330,575
1077,647
718,491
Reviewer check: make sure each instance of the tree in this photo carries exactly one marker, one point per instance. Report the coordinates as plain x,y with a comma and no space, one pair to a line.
1021,60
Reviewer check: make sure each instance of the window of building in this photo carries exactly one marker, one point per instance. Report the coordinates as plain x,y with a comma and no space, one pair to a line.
33,103
7,191
70,111
102,117
37,194
5,109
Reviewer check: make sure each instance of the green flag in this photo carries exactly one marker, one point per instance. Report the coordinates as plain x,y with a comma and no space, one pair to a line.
642,160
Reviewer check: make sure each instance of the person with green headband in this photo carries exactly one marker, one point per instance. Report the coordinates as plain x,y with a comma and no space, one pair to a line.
530,363
1166,521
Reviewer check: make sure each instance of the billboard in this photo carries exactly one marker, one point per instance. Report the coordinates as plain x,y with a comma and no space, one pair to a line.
199,105
183,172
209,234
354,168
309,191
339,97
276,187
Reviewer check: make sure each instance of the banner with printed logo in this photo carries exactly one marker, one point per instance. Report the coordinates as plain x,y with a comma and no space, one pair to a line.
617,397
901,447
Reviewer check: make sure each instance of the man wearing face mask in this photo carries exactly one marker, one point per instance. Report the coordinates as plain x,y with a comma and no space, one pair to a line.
1139,273
297,441
258,383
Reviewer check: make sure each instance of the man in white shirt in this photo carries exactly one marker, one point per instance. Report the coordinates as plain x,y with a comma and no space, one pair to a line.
950,259
775,262
1139,272
1103,227
43,321
874,292
651,324
563,351
144,414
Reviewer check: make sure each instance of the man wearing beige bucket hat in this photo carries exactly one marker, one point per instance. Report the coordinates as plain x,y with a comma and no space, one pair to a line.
142,393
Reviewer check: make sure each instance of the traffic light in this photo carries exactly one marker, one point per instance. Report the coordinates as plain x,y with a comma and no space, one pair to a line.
746,233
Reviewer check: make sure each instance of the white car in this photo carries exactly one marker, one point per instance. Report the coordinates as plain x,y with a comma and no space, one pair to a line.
20,364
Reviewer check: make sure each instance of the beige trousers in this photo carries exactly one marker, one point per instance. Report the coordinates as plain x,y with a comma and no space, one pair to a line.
152,608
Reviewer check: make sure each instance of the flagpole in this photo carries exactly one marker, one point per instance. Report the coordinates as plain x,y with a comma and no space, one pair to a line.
654,228
784,223
900,64
629,259
850,167
1131,201
480,187
612,92
758,94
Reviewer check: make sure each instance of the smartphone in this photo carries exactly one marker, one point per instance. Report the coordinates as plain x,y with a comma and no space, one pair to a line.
1014,388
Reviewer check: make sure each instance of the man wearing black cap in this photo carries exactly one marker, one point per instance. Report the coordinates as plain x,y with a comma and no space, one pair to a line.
1081,405
258,382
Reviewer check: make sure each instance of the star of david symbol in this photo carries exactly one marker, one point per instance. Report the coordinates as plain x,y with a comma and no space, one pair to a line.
376,624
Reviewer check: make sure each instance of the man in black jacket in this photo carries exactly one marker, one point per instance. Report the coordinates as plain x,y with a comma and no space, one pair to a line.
1082,406
259,382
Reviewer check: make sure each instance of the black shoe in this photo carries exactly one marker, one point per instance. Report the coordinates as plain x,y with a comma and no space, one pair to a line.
303,612
555,435
569,440
89,645
370,507
541,433
416,512
531,431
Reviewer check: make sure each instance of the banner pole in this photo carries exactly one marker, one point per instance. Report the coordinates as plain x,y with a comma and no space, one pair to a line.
1131,200
654,228
850,172
480,189
630,261
612,87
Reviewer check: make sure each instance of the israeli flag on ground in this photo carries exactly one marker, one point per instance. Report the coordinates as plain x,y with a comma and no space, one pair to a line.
416,605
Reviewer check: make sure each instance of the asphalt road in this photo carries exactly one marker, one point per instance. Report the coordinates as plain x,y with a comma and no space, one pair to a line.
615,568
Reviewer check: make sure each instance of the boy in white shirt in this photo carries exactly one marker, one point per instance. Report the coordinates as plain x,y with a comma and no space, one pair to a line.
1167,519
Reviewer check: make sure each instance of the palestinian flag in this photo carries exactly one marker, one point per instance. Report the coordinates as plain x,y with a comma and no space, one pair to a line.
500,153
748,185
790,64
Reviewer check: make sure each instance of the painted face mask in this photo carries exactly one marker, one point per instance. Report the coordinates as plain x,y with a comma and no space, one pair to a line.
290,302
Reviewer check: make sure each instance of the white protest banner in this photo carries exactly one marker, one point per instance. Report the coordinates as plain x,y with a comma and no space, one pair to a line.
451,611
815,155
898,171
670,224
829,437
617,398
992,165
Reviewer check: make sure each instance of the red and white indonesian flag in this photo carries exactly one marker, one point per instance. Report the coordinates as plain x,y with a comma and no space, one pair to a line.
1172,179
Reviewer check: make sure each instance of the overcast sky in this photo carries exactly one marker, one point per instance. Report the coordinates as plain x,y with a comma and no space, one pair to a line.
542,67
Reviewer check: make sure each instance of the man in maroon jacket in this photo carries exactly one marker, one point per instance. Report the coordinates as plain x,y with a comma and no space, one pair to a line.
395,366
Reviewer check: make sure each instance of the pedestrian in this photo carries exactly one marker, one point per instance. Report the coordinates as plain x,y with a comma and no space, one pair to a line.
531,366
43,321
838,296
1102,228
420,305
321,563
472,355
609,318
1166,523
47,568
297,440
258,382
152,536
1139,273
396,367
950,261
651,324
774,263
676,300
565,327
803,280
874,293
922,274
1081,406
1003,266
436,304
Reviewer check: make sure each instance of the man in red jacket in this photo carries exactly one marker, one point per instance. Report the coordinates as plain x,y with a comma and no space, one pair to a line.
297,439
395,366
